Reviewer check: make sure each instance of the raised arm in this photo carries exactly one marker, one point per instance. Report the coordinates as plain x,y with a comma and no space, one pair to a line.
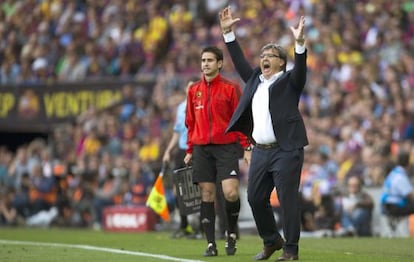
239,61
300,68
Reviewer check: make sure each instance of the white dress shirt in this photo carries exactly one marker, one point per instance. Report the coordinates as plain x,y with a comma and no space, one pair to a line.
262,122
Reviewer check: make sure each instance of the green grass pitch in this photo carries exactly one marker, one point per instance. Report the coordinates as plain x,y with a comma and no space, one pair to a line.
75,245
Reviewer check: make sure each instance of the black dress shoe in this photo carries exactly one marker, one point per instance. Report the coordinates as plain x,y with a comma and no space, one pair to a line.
287,257
269,250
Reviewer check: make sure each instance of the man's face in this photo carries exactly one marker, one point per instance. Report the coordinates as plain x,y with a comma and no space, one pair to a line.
354,185
270,62
209,64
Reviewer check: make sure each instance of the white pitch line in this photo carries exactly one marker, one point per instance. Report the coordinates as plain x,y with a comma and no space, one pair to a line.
102,249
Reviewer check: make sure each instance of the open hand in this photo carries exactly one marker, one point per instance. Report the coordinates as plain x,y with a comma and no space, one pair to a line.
298,32
227,20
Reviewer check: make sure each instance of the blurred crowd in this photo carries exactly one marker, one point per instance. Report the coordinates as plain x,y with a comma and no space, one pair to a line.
358,105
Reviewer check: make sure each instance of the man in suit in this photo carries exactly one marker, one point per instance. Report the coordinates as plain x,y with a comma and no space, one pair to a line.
268,114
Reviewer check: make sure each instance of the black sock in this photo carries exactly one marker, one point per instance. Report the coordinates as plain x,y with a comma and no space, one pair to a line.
183,222
200,227
232,212
208,220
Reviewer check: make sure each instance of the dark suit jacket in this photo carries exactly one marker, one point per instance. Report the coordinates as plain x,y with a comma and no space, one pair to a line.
284,95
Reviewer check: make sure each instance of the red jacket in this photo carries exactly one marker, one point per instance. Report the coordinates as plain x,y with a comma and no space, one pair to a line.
209,110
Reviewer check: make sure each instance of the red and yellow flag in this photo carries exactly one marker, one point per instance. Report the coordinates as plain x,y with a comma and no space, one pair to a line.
157,201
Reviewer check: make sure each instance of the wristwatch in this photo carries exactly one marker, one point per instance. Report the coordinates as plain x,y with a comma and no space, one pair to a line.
249,148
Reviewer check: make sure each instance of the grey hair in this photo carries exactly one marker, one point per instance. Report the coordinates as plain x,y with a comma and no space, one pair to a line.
281,51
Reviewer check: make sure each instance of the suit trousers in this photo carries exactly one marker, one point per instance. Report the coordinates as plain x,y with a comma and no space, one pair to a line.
271,168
